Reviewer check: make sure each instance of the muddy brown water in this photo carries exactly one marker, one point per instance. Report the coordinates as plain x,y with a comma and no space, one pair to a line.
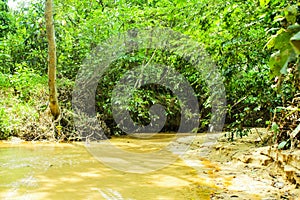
68,171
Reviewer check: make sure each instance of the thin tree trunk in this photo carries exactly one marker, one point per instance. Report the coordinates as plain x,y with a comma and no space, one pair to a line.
53,101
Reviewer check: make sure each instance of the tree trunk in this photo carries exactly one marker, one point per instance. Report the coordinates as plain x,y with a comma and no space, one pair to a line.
53,101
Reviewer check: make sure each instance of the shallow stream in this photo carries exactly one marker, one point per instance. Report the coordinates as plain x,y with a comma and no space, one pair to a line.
68,171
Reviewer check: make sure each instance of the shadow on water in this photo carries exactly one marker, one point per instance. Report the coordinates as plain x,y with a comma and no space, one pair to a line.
68,171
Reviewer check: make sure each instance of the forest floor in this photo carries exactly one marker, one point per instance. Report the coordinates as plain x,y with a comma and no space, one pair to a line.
207,170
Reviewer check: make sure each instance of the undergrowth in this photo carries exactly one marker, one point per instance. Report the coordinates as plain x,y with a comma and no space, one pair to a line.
24,109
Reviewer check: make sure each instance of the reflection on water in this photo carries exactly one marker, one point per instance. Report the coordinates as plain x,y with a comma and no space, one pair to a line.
68,171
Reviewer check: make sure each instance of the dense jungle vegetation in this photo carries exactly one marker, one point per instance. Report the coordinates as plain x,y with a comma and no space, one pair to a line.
255,45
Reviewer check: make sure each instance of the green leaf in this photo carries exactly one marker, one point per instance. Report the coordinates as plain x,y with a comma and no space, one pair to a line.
276,62
295,131
5,55
259,120
264,3
275,127
295,41
271,43
291,14
283,70
279,61
282,144
282,39
293,28
291,58
278,18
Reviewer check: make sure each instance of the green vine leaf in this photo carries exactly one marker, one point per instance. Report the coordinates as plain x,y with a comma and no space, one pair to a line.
282,39
295,41
278,61
291,14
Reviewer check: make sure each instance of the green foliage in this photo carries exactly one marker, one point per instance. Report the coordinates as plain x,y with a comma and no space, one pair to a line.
4,81
232,32
14,115
4,124
147,95
284,65
23,100
25,81
285,41
26,43
237,132
5,18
